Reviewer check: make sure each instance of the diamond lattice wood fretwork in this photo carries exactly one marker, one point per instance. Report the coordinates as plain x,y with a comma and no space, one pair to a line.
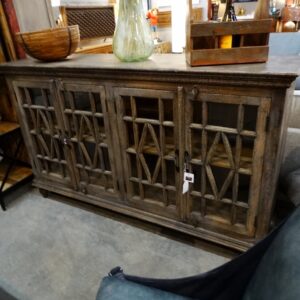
85,116
223,143
148,138
143,145
214,156
37,102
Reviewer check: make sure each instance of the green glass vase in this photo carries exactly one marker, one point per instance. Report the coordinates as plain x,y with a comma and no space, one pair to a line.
132,39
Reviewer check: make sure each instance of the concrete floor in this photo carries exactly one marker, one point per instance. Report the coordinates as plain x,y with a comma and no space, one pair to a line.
55,250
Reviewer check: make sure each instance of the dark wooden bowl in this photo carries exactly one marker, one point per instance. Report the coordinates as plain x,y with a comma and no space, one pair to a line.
50,44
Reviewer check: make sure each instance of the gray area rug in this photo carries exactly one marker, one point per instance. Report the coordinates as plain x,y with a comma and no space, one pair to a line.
50,250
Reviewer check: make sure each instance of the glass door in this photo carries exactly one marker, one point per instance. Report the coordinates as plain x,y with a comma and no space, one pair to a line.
149,136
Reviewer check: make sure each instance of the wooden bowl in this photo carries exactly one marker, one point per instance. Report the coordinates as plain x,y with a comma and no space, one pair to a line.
50,44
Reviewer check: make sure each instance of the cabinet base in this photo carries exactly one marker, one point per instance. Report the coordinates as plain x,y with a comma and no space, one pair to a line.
44,193
211,236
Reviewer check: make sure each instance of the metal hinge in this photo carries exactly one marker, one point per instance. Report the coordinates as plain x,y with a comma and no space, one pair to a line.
267,123
255,222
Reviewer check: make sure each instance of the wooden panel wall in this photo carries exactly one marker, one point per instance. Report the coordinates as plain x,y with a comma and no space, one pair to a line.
165,17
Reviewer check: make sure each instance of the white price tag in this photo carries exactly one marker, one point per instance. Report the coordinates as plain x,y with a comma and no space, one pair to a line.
189,177
185,187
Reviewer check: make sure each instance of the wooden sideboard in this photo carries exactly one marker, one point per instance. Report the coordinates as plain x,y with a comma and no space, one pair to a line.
121,136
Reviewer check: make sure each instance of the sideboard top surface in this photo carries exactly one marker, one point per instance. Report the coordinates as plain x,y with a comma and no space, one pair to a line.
164,64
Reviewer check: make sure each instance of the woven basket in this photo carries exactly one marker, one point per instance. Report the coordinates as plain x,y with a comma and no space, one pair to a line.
50,44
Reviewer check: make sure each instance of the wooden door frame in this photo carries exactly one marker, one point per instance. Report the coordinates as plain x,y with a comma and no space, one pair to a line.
263,105
177,97
76,85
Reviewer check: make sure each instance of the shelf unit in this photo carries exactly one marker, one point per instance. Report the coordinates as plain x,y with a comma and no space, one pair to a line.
12,172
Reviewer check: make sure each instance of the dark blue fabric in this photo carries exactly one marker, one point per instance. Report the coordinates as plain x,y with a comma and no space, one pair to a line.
231,281
227,282
277,276
4,295
114,288
285,43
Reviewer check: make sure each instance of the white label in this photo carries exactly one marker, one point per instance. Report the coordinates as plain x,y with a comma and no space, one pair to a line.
188,177
185,187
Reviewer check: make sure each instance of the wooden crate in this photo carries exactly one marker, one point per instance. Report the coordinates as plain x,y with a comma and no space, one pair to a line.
249,42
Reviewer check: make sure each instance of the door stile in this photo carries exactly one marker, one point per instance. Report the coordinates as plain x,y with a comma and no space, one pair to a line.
67,146
180,142
258,158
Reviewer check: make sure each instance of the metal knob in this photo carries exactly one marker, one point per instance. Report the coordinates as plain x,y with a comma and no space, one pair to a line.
194,92
65,140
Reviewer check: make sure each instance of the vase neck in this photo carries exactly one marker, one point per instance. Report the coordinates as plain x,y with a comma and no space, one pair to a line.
130,7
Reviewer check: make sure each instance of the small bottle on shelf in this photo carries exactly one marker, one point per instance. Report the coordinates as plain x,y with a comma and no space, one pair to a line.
214,10
229,14
226,41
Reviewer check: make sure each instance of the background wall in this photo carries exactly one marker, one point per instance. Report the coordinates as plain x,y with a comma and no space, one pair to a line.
38,14
86,2
248,6
33,14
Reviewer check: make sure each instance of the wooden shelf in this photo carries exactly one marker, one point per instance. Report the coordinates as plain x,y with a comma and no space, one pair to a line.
242,204
152,150
220,159
16,175
213,128
7,127
157,185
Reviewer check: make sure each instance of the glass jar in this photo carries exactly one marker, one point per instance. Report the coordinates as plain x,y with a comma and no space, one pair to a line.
132,39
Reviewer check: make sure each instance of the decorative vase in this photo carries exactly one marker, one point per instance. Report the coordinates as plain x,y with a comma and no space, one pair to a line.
132,39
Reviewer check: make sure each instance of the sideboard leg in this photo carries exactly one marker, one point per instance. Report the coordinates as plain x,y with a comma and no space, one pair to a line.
44,193
2,203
